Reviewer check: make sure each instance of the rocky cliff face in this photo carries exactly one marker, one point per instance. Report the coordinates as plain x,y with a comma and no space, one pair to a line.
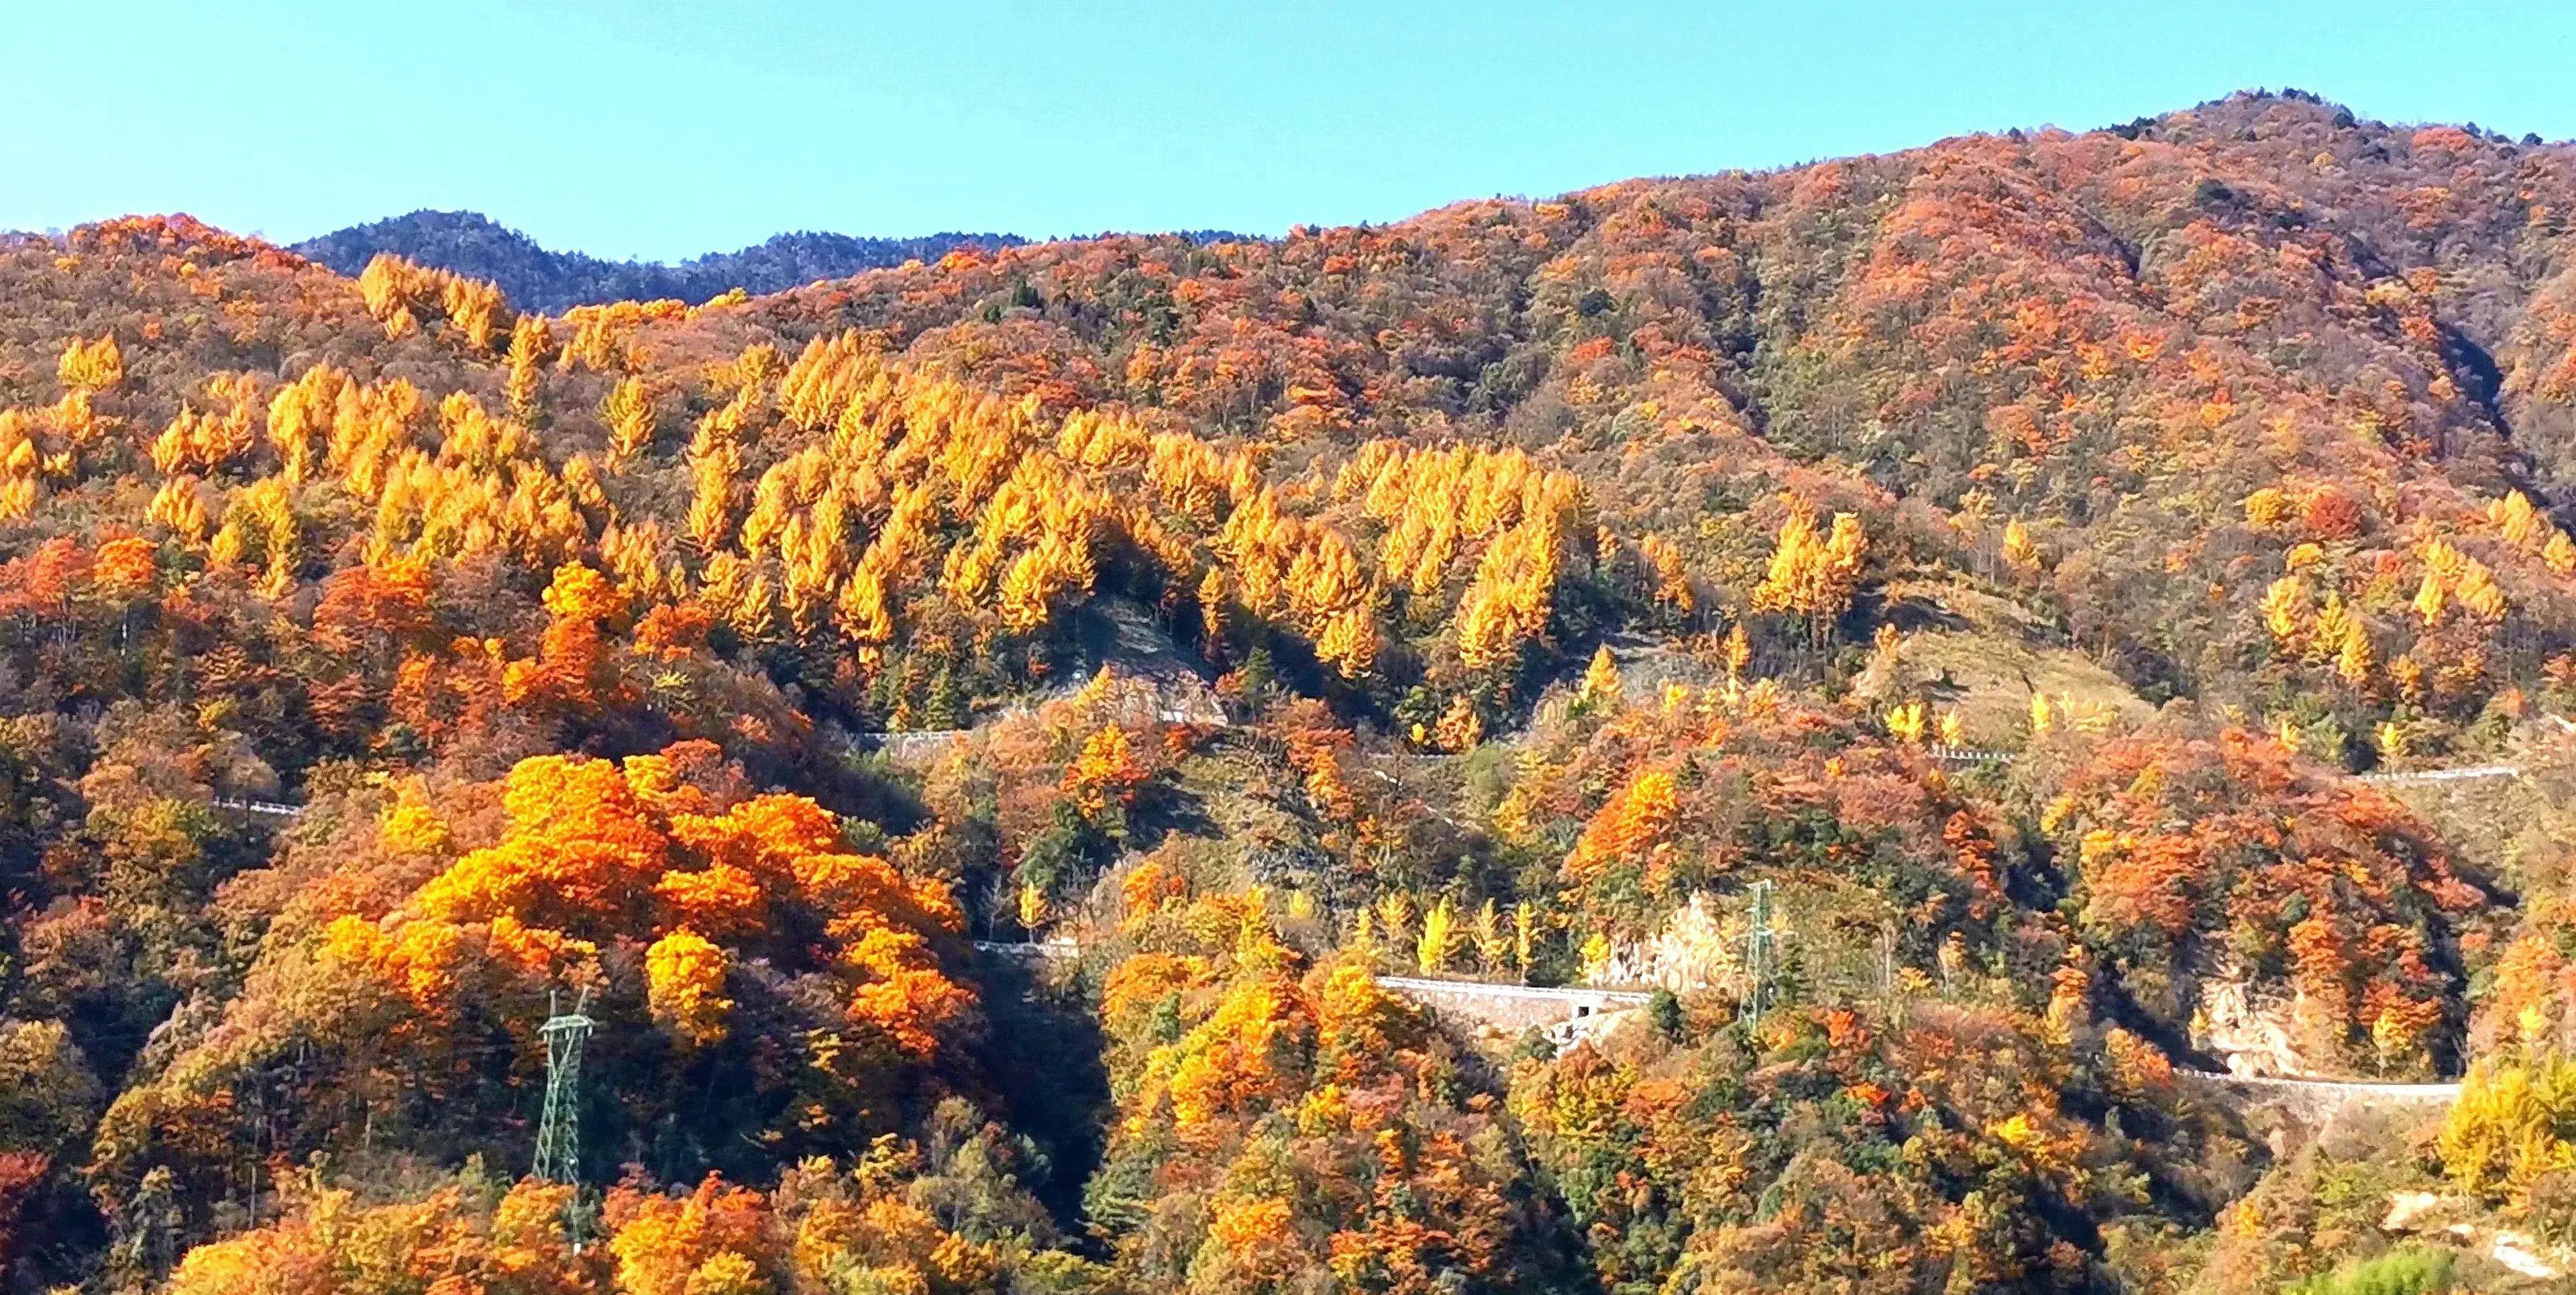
1700,947
2257,1035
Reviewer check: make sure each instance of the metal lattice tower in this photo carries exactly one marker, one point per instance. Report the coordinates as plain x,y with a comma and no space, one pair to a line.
559,1128
1761,953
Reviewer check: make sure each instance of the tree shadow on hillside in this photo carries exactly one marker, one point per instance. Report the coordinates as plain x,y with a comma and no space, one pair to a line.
1042,1056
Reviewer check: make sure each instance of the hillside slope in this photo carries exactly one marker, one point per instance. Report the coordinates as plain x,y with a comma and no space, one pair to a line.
1592,588
2121,341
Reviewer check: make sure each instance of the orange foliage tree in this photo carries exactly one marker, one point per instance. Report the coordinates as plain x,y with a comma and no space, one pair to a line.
599,870
2222,856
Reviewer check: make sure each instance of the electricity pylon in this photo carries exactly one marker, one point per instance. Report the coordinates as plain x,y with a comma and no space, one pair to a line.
559,1128
1760,952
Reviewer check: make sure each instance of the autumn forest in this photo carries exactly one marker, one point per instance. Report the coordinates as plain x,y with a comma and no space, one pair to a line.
1999,717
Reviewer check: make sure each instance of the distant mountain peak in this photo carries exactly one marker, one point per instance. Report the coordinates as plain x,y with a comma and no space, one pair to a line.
471,243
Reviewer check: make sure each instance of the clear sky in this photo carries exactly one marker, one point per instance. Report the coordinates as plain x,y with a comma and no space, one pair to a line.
665,130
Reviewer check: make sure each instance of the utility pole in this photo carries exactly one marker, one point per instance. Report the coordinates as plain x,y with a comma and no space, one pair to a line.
1760,954
1887,965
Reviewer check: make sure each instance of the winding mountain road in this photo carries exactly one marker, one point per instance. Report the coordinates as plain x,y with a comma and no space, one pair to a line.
2349,1089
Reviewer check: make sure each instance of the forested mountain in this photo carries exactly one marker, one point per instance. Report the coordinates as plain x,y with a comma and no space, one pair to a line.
1926,614
536,279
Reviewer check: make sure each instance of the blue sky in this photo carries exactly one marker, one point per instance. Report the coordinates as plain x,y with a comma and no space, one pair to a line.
664,130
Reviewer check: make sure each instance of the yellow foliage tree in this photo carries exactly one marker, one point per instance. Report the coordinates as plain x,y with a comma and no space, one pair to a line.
1106,774
92,366
1813,575
2285,608
1438,942
2514,1121
1600,685
2354,661
531,342
1738,651
684,978
2018,549
1908,722
628,411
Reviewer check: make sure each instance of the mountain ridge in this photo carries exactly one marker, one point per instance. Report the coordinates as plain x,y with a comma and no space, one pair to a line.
539,278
